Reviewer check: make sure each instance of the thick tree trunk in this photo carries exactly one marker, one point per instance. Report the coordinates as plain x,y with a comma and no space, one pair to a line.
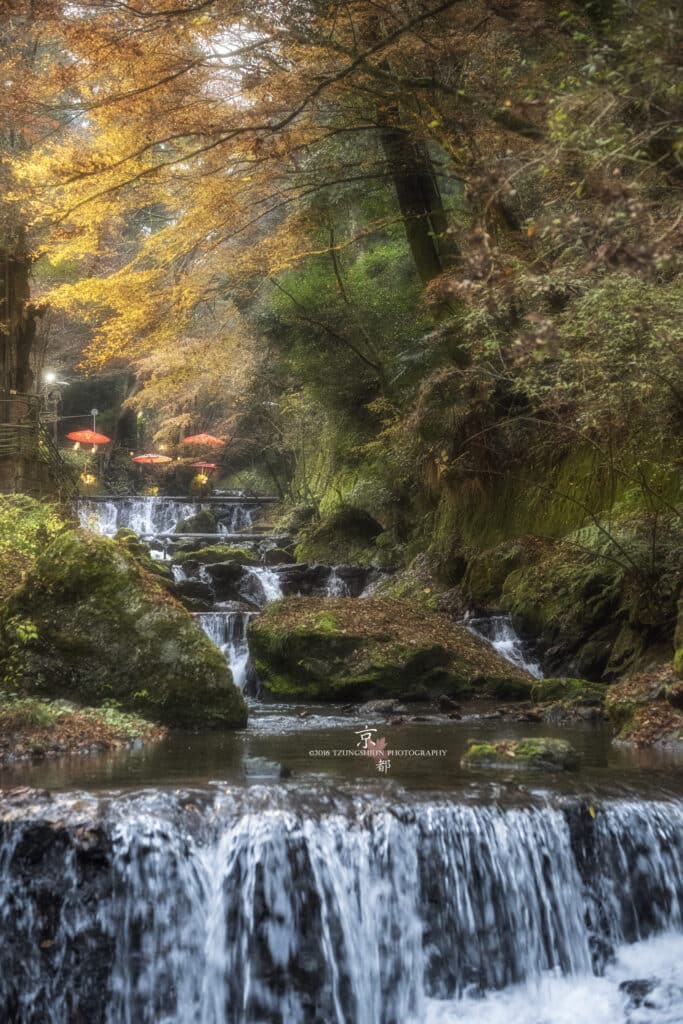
419,199
17,323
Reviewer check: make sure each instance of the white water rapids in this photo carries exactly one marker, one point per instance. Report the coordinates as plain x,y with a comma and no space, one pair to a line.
275,908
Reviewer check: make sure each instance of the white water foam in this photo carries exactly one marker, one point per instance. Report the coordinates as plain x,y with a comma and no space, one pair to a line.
498,631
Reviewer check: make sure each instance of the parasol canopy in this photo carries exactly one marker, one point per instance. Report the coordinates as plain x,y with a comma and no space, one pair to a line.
204,439
88,437
152,459
204,465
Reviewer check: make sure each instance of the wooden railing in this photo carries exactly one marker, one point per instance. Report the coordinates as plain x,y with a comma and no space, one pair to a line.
23,435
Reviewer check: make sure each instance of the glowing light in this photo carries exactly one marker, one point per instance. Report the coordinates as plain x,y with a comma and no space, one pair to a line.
88,478
50,376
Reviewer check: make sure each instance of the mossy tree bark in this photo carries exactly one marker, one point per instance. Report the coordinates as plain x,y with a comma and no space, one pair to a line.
18,316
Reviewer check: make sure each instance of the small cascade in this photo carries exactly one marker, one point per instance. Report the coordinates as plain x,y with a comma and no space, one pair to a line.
343,909
240,517
228,631
261,585
500,633
336,586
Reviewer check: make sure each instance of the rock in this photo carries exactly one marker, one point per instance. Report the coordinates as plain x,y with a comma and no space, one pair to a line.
637,991
640,710
302,579
569,692
225,572
278,556
217,553
194,588
381,707
539,753
487,571
91,624
342,648
447,704
203,522
354,577
346,535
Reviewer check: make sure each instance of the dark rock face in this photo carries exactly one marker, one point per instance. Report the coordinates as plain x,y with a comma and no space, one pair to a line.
194,588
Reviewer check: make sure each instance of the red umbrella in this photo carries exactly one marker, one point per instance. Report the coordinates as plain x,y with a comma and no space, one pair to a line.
204,465
152,459
204,439
88,437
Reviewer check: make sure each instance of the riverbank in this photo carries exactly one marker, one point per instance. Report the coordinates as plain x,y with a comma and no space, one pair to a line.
33,730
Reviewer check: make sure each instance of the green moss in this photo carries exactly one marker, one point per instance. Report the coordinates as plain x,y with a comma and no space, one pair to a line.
566,690
537,753
203,522
345,649
347,534
218,553
105,628
26,526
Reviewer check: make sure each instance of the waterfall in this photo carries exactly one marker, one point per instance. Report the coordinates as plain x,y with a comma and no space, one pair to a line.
262,585
270,907
228,631
240,517
336,586
500,633
148,516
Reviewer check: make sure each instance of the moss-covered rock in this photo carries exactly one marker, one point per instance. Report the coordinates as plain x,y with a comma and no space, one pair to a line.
537,753
203,521
346,535
487,571
91,624
568,691
343,648
644,708
595,602
217,553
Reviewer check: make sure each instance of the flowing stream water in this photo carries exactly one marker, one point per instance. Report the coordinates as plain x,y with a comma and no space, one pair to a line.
253,878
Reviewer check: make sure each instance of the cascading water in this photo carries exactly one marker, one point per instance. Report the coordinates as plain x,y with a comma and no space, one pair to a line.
500,633
228,631
240,517
336,586
145,516
331,909
261,585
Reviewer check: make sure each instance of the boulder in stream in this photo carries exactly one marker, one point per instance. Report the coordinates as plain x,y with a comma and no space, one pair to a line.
537,752
343,648
91,624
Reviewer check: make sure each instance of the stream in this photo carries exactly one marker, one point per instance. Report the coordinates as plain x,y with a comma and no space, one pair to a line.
273,876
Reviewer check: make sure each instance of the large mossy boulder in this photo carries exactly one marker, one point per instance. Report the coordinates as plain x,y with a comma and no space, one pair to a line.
540,752
348,535
350,649
601,603
91,624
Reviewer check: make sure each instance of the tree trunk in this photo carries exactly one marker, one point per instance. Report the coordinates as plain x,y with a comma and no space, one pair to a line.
419,200
17,322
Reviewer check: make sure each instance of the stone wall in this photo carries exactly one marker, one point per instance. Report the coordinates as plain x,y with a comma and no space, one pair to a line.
26,476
